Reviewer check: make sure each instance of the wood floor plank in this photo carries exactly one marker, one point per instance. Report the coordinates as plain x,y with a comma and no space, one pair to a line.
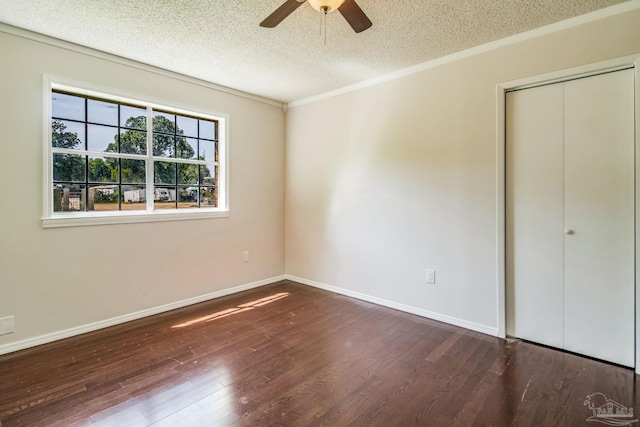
291,355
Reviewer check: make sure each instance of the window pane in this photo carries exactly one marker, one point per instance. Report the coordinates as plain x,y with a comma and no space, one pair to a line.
133,171
134,197
187,174
68,197
163,145
186,148
65,106
133,117
67,134
207,129
168,116
133,142
102,112
187,197
188,126
164,173
208,197
103,169
102,138
207,176
103,198
164,198
207,151
68,167
165,123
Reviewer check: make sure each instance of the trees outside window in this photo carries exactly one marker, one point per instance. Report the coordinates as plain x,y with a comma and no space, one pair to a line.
107,157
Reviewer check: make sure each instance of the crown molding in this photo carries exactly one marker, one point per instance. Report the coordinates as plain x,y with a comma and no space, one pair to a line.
52,41
507,41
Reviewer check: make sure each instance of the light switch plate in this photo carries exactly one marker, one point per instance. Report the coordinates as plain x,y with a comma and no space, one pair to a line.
431,277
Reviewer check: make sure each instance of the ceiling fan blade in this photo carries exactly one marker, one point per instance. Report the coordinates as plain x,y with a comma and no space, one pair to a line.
280,13
355,16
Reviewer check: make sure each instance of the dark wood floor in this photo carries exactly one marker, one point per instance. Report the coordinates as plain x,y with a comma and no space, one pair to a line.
287,354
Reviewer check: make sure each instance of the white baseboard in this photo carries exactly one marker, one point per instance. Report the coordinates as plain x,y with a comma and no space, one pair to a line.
55,336
67,333
398,306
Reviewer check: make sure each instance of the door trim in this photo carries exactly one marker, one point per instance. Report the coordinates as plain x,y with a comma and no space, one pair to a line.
549,78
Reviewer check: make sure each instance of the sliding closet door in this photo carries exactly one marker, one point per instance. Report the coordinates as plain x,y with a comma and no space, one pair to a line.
599,217
534,214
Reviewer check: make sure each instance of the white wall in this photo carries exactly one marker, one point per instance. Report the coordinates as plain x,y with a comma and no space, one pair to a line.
381,183
386,181
53,280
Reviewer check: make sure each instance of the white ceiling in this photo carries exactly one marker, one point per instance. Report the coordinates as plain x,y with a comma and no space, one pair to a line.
220,41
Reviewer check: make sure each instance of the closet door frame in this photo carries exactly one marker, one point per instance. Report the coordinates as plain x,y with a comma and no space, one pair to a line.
549,78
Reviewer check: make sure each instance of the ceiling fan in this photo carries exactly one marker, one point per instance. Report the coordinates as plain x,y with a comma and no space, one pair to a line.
348,8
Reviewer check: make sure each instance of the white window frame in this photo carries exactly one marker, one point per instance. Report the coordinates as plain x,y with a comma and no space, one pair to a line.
53,219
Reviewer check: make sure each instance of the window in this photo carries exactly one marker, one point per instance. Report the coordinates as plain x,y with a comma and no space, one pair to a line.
111,157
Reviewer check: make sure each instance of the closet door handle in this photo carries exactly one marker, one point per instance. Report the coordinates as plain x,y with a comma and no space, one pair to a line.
569,231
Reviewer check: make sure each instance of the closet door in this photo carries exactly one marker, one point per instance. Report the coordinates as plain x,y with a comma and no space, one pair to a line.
534,162
599,217
570,216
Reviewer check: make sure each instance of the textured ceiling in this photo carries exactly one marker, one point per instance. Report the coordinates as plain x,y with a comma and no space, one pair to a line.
220,41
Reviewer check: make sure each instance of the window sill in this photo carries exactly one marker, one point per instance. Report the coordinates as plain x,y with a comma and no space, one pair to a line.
89,218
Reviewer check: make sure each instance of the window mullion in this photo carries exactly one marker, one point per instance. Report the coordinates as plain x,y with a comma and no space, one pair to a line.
149,163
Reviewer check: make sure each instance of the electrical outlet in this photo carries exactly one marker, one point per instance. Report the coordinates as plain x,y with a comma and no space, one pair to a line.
7,325
245,256
431,277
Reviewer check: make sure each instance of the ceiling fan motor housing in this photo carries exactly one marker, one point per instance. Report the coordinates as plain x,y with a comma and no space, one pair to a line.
326,5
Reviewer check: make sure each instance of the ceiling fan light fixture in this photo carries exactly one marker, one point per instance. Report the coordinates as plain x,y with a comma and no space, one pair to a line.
349,10
328,5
